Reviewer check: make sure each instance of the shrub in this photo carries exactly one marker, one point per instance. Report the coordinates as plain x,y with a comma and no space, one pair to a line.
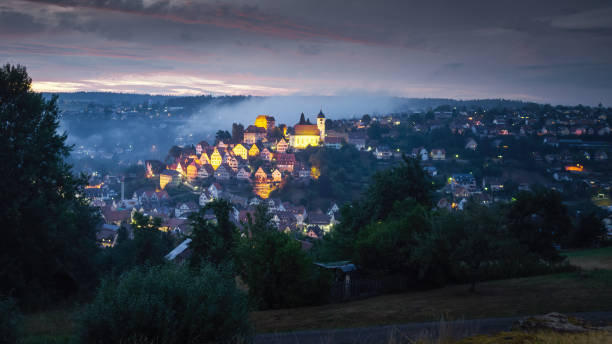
167,304
10,320
279,274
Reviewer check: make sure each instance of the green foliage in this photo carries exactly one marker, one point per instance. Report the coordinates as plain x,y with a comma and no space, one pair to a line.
391,193
376,130
213,242
479,238
167,304
223,135
275,134
10,321
278,273
393,230
344,173
397,184
589,232
148,247
386,247
539,220
431,255
48,233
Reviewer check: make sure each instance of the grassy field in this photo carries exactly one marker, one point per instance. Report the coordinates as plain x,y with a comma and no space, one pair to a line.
50,327
599,258
588,290
569,292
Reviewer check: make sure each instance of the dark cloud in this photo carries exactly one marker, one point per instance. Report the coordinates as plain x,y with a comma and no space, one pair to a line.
12,22
551,50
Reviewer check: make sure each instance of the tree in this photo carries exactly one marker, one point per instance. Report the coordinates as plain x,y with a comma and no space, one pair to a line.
213,242
49,241
365,119
392,191
302,119
237,132
275,134
223,135
167,304
386,246
408,180
539,220
279,274
479,238
375,131
589,232
150,245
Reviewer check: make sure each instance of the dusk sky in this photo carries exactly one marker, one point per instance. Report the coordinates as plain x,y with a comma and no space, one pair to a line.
556,52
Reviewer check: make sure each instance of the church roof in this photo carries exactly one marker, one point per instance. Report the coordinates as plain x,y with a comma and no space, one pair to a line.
306,129
321,115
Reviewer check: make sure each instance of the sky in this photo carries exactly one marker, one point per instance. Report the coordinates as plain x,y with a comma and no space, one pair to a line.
557,52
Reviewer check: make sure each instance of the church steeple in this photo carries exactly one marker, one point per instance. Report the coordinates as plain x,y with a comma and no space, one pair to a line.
321,124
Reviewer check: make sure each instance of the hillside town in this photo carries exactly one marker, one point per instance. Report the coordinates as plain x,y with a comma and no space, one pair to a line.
479,155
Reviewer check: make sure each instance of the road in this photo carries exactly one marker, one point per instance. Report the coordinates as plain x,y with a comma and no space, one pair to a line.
382,334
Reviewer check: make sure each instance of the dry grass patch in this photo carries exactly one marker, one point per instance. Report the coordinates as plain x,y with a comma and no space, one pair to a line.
598,337
566,293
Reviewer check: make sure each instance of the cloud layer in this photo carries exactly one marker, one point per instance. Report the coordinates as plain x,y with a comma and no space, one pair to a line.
549,51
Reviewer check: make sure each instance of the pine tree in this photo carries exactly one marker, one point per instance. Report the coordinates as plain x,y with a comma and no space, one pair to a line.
48,240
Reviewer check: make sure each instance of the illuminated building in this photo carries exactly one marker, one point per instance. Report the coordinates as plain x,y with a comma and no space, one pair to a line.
305,135
254,150
192,171
282,146
266,154
321,125
277,176
262,186
285,162
97,186
169,177
260,175
240,151
216,159
266,122
149,170
314,173
204,159
577,168
252,134
262,189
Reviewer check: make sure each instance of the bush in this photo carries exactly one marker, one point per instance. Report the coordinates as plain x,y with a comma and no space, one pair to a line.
10,320
279,274
167,304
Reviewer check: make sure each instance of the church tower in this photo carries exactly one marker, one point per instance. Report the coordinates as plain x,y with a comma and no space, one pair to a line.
321,124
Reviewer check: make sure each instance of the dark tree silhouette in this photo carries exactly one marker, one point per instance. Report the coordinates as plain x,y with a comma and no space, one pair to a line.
48,240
